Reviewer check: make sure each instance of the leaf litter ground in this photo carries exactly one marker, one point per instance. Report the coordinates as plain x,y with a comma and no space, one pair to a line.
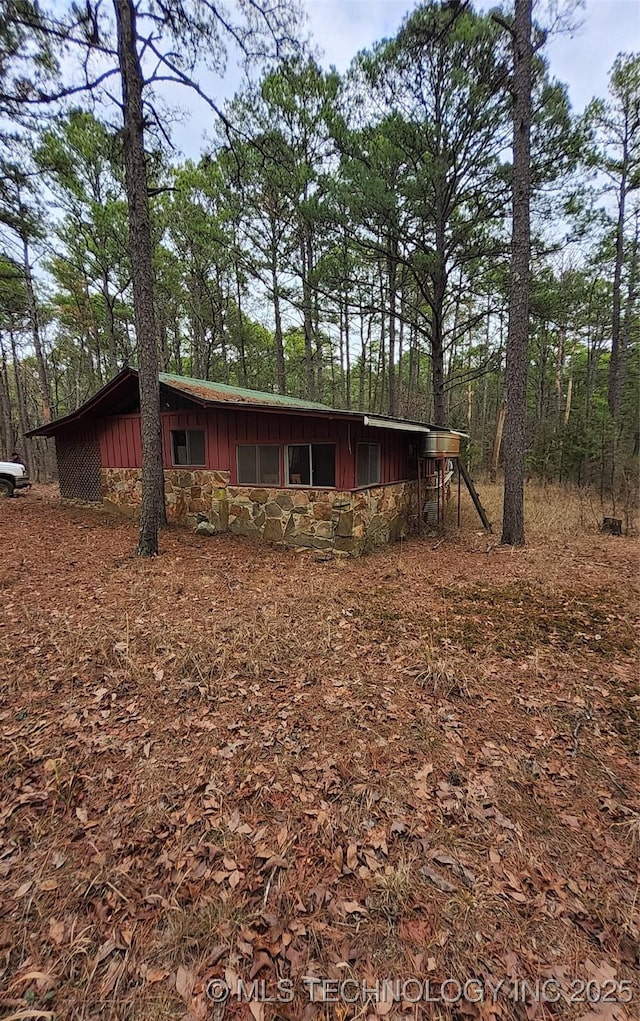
235,761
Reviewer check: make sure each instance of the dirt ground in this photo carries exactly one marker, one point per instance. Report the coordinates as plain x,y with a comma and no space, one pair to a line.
237,763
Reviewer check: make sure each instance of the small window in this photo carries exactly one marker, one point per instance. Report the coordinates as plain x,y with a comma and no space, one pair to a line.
258,465
311,464
368,464
187,446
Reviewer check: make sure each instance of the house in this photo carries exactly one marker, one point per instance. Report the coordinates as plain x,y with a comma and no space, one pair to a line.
253,463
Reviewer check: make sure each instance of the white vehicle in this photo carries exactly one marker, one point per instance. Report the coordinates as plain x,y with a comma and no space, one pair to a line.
13,475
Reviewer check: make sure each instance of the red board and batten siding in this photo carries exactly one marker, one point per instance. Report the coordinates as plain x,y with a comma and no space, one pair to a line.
120,441
120,444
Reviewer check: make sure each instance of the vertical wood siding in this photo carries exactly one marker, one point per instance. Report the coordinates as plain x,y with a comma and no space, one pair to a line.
120,443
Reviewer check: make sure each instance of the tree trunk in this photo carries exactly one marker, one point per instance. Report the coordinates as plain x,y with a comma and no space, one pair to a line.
613,395
277,314
163,340
363,364
560,360
437,327
5,406
317,332
112,352
567,406
341,350
92,332
414,364
346,336
22,412
497,443
35,333
153,512
243,354
483,424
518,331
485,389
399,378
381,371
177,347
307,316
628,318
392,273
437,375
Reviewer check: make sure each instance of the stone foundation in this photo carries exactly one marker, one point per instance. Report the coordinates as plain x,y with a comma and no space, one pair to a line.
191,495
352,521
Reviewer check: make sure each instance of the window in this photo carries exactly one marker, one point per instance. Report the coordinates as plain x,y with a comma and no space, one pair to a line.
311,464
187,446
368,464
258,465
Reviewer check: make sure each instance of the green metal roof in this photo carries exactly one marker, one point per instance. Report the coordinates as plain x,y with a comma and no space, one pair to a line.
206,390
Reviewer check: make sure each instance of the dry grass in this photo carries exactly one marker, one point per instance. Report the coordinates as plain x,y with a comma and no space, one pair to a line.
236,758
551,511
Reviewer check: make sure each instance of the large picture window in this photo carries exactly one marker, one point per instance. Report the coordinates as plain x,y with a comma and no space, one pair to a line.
311,464
258,465
368,470
187,447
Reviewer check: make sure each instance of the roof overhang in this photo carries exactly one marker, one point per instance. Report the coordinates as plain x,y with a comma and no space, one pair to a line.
92,406
395,423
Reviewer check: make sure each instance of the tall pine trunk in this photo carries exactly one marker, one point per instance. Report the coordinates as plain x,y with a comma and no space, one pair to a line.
613,395
43,383
628,317
347,328
112,350
153,512
392,267
6,425
35,446
307,312
518,331
241,342
277,314
439,284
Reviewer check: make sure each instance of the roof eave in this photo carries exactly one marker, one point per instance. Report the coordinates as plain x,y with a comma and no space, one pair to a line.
376,422
50,428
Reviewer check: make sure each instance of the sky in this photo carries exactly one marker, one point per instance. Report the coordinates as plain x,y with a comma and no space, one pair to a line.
341,28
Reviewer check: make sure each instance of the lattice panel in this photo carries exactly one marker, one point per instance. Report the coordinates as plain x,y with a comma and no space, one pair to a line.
79,469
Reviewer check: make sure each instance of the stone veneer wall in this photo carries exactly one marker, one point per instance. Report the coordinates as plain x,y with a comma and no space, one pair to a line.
352,521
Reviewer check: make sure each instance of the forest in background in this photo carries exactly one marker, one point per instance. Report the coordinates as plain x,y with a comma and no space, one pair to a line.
346,239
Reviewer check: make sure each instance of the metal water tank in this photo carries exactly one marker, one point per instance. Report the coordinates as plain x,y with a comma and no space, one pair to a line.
440,444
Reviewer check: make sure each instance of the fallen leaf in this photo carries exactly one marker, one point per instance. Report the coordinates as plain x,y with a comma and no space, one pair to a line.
456,867
438,881
155,975
185,981
352,907
261,960
56,931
